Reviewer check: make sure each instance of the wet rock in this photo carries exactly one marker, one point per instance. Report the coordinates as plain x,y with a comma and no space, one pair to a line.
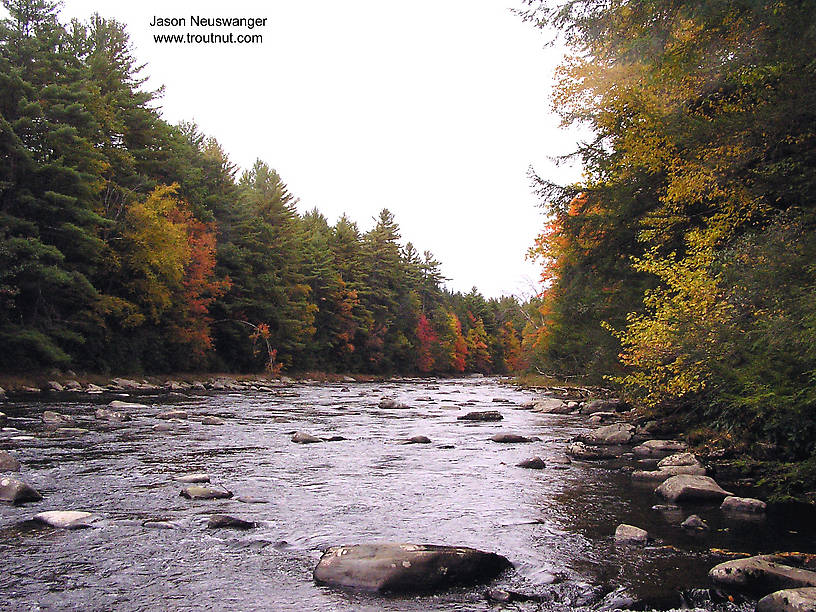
246,499
348,379
694,523
161,524
619,433
599,418
748,505
212,420
66,519
619,599
2,393
508,438
49,417
17,492
629,534
551,406
172,414
667,472
688,487
218,521
301,437
162,427
94,389
658,448
53,385
678,459
111,415
609,405
483,415
27,389
666,508
199,492
762,574
533,463
405,567
418,440
3,417
389,403
120,405
8,463
789,600
579,450
334,439
73,385
69,432
193,478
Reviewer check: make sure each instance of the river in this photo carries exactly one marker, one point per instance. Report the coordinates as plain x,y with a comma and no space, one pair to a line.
556,525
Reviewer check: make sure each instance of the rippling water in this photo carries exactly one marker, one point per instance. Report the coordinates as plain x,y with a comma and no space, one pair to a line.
555,524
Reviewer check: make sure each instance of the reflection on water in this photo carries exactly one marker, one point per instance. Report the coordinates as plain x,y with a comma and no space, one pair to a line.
554,524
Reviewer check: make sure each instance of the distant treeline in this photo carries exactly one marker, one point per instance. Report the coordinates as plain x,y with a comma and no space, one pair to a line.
684,264
128,244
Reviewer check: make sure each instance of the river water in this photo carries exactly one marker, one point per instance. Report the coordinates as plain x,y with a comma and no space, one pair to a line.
556,525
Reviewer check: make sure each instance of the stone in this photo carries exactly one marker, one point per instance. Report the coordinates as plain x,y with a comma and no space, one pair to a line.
608,405
49,417
172,414
657,448
533,463
53,385
301,437
689,487
579,450
391,404
162,427
212,420
508,438
483,415
551,406
619,433
199,492
418,440
789,600
218,521
67,432
8,463
66,519
598,418
406,567
111,415
161,524
73,385
120,405
629,534
2,393
761,574
193,478
667,472
17,492
3,417
748,505
678,459
694,523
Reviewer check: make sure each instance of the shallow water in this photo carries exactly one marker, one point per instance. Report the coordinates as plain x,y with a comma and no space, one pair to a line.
556,525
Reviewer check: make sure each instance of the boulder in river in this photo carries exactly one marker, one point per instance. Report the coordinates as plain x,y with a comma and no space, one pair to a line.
66,519
172,414
789,600
8,463
301,437
17,492
218,521
212,420
747,505
608,405
418,440
694,523
629,534
533,463
120,405
509,438
667,472
551,406
678,459
406,567
389,403
54,385
689,487
579,450
762,574
658,448
111,415
193,478
619,433
483,415
199,492
49,417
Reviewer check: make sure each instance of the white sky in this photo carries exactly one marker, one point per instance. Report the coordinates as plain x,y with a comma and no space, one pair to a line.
433,109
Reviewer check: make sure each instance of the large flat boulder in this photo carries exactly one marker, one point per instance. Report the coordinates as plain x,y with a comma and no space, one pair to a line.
510,438
201,492
678,459
619,433
406,567
690,487
789,600
552,406
762,574
629,534
587,452
483,415
658,448
667,472
66,519
601,405
17,492
747,505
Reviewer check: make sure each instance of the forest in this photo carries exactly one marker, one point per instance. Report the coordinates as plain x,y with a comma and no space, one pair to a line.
682,268
131,245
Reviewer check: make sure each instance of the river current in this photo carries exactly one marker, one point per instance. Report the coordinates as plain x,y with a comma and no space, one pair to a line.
555,525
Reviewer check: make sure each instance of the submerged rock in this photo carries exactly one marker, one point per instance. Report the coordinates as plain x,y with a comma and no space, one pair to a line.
17,492
579,450
8,463
406,567
629,534
743,504
418,440
483,415
198,492
508,438
119,405
789,600
218,521
389,403
49,417
619,433
688,487
694,523
193,478
66,519
533,463
301,437
111,415
212,420
761,574
172,414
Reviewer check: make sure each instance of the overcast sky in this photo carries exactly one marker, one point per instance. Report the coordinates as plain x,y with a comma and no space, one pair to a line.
433,109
